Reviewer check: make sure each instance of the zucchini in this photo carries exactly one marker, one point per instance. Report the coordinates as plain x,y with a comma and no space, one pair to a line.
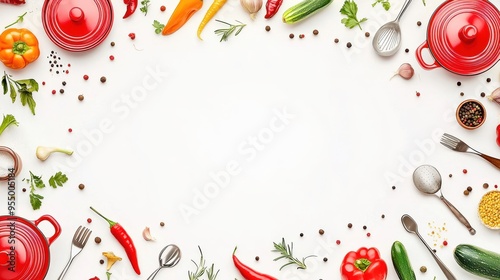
478,261
401,262
304,9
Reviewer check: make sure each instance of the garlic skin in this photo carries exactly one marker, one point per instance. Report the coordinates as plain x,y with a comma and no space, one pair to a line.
252,6
146,233
495,96
405,71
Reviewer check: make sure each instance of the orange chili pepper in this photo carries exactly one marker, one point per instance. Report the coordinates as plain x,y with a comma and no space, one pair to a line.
18,47
182,13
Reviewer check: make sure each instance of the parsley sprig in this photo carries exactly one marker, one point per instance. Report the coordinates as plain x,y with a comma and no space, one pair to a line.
158,26
36,182
350,10
25,88
7,120
385,3
201,269
226,32
19,20
286,252
145,6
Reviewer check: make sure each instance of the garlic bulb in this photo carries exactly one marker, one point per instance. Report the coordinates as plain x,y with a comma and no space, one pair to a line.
495,96
252,6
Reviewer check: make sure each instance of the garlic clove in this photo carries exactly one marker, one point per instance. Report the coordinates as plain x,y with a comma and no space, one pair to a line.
405,71
252,6
146,233
495,96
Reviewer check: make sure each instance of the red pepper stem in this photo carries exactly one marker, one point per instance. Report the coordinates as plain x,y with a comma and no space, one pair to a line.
362,264
234,252
111,223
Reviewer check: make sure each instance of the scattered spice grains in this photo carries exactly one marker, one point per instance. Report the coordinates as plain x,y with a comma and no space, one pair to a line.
112,44
483,94
466,192
407,50
163,8
393,187
103,79
450,175
55,62
315,32
85,77
464,171
81,97
291,36
111,57
89,220
81,186
349,225
321,232
348,45
70,130
301,36
437,233
423,269
301,234
325,259
488,80
485,185
419,23
336,40
97,239
131,36
162,224
459,83
101,261
268,28
417,94
367,34
469,188
337,242
462,93
364,227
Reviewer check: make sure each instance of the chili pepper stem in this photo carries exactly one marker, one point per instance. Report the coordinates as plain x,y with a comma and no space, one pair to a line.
111,223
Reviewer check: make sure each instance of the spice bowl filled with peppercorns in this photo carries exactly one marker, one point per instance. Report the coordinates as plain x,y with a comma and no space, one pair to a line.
489,209
471,114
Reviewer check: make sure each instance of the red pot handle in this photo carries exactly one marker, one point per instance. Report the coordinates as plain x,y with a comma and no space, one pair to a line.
422,63
54,223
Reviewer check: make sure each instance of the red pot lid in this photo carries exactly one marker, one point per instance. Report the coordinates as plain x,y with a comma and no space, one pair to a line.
76,25
464,36
24,251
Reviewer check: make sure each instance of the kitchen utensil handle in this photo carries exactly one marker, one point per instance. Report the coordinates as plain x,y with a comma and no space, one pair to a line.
443,267
492,160
153,275
459,215
403,9
54,223
65,268
421,61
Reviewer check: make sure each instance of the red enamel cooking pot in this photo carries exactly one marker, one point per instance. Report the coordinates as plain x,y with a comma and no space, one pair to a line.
76,25
24,250
463,36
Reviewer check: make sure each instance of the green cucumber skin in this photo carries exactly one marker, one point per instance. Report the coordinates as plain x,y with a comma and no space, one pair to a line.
478,261
401,262
304,9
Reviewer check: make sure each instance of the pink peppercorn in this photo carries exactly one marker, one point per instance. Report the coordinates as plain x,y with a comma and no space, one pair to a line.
338,242
89,220
445,243
368,234
132,36
163,8
43,83
53,91
464,171
111,57
70,130
85,77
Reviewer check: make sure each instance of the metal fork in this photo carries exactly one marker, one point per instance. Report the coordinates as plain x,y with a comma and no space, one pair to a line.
80,238
458,145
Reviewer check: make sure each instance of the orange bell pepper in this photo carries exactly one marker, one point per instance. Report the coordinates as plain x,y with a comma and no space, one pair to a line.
18,47
182,13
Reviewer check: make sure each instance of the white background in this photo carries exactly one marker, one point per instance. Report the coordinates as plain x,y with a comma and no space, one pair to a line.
351,133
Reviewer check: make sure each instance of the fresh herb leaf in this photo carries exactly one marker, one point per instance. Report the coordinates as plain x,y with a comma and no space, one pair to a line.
158,26
226,32
19,20
423,1
201,268
286,252
57,179
350,10
24,87
385,3
35,200
210,273
35,182
7,120
145,6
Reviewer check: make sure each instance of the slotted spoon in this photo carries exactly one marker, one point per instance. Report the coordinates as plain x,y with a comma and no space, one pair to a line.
387,40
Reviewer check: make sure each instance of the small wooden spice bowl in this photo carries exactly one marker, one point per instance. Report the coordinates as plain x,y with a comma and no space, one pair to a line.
489,209
471,114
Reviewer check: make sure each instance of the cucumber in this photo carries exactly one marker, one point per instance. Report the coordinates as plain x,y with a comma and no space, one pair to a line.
304,9
478,261
401,262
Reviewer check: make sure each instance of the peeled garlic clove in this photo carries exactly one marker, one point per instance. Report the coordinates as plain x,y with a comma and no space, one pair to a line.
495,96
146,233
405,71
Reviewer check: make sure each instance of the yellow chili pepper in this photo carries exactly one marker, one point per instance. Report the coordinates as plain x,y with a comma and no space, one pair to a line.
182,13
212,10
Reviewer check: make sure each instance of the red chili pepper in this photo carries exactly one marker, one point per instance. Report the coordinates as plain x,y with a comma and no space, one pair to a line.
122,236
364,264
14,2
131,7
247,272
272,7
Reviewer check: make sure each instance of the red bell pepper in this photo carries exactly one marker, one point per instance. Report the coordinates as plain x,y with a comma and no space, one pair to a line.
364,264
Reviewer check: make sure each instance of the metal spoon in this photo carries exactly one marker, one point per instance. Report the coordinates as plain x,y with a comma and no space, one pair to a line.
168,257
428,180
387,40
411,226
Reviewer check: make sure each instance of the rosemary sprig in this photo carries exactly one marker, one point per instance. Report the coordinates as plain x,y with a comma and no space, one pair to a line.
201,269
286,252
211,271
226,32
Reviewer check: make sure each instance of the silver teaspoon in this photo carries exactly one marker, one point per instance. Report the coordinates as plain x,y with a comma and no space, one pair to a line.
168,257
411,226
